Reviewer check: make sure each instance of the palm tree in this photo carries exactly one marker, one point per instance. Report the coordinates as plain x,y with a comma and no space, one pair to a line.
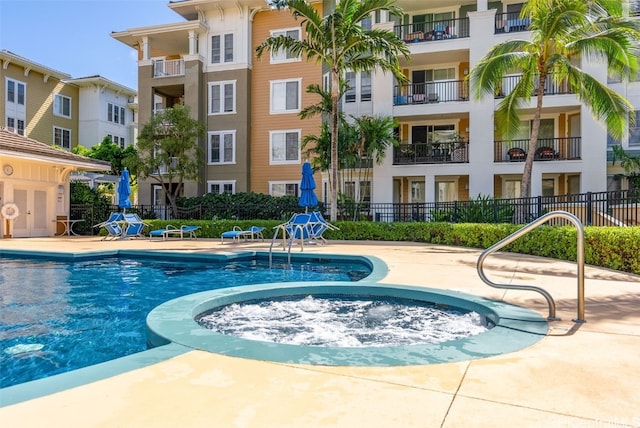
338,41
630,164
561,31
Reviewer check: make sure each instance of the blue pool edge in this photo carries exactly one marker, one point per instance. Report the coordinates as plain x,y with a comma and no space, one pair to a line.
515,327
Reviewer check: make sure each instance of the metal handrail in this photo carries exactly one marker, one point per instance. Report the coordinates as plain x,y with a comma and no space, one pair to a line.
517,234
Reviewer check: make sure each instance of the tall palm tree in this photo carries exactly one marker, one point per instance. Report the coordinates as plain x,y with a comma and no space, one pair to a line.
561,31
340,43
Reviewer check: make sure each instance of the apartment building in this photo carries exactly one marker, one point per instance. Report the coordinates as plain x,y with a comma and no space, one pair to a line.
52,107
249,107
448,150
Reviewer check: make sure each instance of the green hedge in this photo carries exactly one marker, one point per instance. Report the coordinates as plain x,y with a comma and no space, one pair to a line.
610,247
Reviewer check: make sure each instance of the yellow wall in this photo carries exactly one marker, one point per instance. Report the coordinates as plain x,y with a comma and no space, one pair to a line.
40,119
263,122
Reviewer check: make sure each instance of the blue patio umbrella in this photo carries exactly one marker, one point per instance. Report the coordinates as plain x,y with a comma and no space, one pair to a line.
308,197
124,190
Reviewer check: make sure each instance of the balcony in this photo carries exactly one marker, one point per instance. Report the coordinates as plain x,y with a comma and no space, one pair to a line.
548,149
419,32
168,67
510,23
550,87
431,92
431,153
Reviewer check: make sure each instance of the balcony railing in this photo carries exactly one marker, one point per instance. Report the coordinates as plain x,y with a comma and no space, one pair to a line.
548,149
510,23
431,92
430,153
433,30
550,87
168,67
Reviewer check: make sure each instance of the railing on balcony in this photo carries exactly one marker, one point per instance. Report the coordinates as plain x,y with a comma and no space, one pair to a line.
431,92
548,149
168,67
433,30
510,22
430,153
550,87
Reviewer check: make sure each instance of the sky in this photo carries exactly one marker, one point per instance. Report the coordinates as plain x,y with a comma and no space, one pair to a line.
74,36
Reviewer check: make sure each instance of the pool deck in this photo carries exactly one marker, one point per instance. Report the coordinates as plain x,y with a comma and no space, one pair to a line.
579,375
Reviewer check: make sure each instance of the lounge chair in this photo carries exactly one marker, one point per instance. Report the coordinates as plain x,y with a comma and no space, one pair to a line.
318,225
253,233
113,217
114,231
134,226
183,232
299,228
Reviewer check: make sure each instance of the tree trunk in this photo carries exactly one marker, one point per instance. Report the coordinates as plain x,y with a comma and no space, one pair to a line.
522,212
333,179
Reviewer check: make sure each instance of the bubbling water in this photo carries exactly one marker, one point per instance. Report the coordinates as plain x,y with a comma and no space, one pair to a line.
337,321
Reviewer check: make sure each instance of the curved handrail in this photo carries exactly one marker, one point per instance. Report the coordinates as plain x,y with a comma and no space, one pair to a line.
517,234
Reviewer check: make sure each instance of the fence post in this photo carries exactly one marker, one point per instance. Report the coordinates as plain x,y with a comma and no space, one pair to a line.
589,208
539,203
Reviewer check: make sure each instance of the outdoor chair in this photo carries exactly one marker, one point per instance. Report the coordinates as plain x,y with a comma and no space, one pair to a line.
516,154
546,153
114,231
318,225
297,228
237,233
113,217
181,232
133,226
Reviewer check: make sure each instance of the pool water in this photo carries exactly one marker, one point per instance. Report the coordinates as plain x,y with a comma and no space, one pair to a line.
60,316
337,321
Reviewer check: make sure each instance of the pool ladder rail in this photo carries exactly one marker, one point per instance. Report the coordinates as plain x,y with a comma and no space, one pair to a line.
521,232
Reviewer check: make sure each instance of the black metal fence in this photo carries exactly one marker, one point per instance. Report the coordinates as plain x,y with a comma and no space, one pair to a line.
616,208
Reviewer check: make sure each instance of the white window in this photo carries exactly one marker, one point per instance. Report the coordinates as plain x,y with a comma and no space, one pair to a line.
221,186
284,55
350,93
115,114
417,191
359,86
326,82
634,131
61,105
365,86
119,141
222,147
366,23
284,146
16,92
222,96
222,48
285,96
511,188
62,137
446,191
15,125
283,188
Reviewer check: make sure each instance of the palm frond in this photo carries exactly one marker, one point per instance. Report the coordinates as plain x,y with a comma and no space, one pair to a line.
606,104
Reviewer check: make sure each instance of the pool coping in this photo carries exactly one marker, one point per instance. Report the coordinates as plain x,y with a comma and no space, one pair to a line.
515,327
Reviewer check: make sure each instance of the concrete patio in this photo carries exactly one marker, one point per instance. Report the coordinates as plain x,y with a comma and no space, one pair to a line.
579,375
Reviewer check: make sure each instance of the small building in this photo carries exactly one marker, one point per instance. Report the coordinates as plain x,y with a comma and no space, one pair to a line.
34,184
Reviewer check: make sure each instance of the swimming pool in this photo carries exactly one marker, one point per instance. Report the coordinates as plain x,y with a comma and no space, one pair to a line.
59,313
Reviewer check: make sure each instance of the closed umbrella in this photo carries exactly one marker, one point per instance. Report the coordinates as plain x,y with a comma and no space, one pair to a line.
308,197
124,190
